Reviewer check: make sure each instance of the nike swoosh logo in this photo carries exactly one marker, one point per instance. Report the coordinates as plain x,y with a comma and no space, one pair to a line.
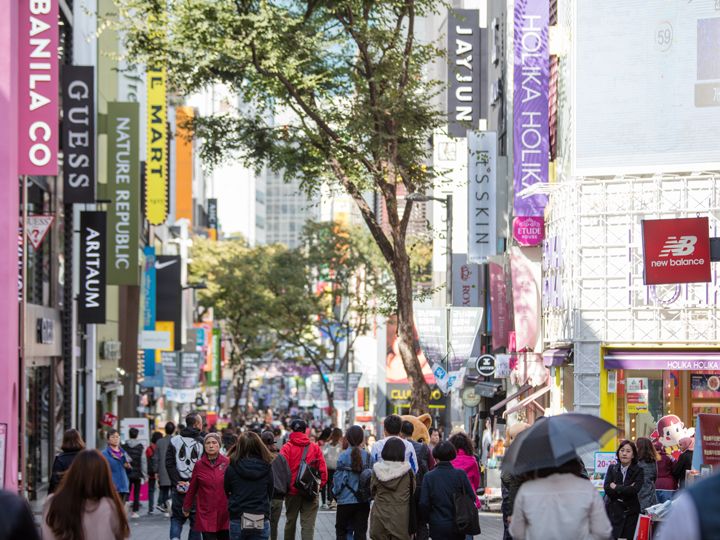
160,265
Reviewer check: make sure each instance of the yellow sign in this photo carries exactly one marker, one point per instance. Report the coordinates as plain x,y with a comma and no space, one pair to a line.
169,327
156,177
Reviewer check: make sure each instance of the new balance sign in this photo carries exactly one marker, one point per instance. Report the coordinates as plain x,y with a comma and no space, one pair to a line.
676,250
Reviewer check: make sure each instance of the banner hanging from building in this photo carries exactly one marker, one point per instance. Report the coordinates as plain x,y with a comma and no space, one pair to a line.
526,289
482,195
466,282
676,251
531,142
156,172
183,163
215,373
38,87
431,324
91,297
124,193
78,84
149,288
463,71
464,335
499,308
169,293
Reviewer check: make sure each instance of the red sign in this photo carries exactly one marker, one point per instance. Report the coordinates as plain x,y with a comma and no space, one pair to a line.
676,250
109,419
708,429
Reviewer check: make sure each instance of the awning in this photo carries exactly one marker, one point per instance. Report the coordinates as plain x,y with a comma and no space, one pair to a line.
528,400
556,357
495,408
684,360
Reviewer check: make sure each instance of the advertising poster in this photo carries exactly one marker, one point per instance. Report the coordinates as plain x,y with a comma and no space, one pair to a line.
465,325
433,341
707,441
602,463
705,385
637,395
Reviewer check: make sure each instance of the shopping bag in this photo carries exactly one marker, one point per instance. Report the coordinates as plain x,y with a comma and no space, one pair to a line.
642,529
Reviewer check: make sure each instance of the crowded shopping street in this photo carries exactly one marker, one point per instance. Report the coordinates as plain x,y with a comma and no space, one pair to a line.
354,269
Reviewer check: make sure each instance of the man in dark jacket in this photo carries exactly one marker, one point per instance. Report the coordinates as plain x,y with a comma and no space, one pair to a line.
184,450
281,482
163,476
138,471
295,503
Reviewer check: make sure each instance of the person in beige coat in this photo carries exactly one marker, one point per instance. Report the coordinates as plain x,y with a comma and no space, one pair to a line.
559,503
86,506
392,486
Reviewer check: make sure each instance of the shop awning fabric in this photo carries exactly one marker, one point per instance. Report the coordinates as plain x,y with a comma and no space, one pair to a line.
556,357
665,360
495,408
528,400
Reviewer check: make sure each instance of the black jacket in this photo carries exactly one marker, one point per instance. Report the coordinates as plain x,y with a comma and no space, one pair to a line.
249,487
437,502
683,463
623,504
61,464
17,521
135,452
184,450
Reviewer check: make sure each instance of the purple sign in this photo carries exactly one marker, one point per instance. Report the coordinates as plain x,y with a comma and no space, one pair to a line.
529,231
530,104
671,360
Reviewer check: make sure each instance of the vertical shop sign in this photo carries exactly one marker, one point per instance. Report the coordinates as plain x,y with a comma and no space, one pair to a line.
124,193
78,134
530,104
482,195
213,376
183,162
149,288
707,441
169,293
526,288
463,71
91,298
38,86
499,309
212,214
466,282
156,177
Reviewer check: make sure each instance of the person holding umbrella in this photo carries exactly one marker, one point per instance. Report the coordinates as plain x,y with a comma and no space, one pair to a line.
623,482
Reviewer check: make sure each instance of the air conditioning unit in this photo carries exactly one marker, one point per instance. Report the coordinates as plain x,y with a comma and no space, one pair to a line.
110,350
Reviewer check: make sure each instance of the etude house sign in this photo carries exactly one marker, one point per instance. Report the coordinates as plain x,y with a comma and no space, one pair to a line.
463,71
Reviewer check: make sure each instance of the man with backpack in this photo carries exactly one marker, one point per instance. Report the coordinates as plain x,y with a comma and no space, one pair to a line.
138,468
308,474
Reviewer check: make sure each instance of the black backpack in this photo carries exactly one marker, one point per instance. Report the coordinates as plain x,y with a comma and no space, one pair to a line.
307,481
467,520
363,493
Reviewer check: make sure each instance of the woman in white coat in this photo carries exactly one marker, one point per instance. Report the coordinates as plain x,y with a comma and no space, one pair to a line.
559,503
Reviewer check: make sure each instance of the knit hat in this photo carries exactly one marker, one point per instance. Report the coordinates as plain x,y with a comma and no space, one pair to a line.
215,436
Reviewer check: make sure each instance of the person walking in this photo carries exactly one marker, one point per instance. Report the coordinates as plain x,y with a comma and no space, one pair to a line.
17,522
163,476
434,438
425,463
438,493
570,506
465,461
684,460
119,464
510,483
623,482
665,485
207,492
86,505
138,468
249,487
183,452
353,508
151,456
393,427
281,481
331,450
299,449
72,444
392,486
647,461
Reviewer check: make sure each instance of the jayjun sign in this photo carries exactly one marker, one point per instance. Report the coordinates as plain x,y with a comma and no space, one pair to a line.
676,251
38,87
78,134
530,104
463,71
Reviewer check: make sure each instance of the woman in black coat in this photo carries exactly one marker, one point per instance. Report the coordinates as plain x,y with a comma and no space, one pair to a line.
623,482
71,446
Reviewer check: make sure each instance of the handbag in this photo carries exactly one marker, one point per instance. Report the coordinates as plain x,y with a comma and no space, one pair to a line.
307,481
467,520
252,523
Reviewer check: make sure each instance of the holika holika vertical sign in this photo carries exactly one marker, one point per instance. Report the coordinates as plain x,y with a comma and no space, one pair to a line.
91,297
124,193
156,177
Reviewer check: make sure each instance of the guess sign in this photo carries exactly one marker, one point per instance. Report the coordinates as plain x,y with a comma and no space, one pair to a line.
676,251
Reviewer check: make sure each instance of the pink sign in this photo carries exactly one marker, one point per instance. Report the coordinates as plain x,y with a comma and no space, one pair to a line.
529,230
38,80
500,312
525,268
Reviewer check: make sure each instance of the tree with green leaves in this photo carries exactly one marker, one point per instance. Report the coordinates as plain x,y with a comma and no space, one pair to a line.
349,75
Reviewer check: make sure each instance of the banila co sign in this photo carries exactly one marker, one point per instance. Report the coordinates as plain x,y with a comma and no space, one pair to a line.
676,251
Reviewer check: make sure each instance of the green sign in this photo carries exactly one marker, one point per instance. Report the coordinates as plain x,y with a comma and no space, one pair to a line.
123,189
213,376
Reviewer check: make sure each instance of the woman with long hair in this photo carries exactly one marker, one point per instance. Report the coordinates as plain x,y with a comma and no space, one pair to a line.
207,492
331,451
119,463
647,460
623,482
72,444
86,505
465,460
249,488
353,508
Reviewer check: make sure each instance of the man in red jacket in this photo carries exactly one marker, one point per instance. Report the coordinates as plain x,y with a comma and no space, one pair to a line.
296,503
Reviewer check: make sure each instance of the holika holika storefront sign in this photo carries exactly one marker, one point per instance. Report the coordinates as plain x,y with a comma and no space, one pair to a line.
124,193
156,177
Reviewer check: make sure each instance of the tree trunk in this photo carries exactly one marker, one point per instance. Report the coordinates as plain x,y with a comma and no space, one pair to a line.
240,376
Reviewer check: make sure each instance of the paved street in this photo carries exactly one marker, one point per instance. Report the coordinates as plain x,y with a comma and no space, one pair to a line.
157,527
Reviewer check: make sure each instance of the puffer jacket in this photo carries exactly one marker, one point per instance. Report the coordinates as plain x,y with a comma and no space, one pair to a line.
392,486
647,491
292,452
249,487
346,482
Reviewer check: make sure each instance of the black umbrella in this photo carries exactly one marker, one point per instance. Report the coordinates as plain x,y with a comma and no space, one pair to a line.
553,441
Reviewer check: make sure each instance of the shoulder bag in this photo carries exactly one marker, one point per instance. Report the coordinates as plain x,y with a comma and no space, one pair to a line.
467,520
307,481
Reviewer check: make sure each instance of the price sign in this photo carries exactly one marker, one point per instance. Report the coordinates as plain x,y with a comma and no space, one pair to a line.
603,460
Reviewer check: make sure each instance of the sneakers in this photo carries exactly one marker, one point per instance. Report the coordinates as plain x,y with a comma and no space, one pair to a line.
325,507
134,515
333,505
161,508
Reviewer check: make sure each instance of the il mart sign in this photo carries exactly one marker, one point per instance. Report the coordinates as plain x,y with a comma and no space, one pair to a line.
676,251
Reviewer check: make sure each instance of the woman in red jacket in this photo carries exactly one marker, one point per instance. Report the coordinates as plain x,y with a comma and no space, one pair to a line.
665,485
207,490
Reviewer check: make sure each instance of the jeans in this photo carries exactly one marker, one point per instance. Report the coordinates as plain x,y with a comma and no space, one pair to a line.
664,495
178,519
151,495
164,496
308,509
275,512
327,490
236,532
352,516
135,490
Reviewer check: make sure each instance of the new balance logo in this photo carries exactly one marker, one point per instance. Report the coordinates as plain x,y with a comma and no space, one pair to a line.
678,247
